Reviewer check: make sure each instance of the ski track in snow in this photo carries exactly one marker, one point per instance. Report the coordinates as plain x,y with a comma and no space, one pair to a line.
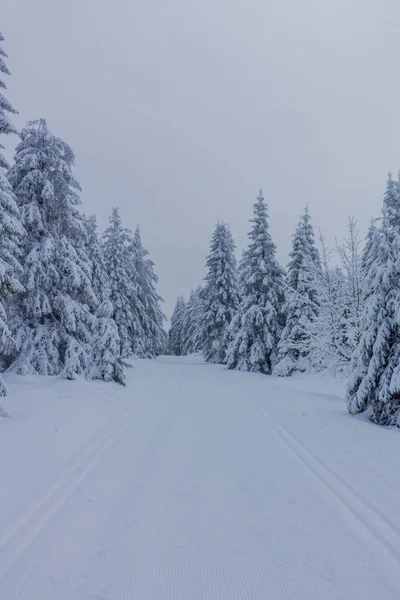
17,539
30,525
199,493
381,529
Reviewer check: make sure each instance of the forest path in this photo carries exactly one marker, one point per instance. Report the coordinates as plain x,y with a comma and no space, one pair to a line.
202,489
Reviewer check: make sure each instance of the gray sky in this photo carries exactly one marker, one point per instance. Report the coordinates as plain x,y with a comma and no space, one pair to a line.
179,110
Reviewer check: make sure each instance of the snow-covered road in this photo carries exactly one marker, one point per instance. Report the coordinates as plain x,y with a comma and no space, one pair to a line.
208,485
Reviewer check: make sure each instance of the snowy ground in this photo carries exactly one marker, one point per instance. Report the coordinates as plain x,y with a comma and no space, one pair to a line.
195,483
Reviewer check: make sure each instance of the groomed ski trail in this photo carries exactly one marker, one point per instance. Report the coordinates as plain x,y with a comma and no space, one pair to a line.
15,541
374,522
198,493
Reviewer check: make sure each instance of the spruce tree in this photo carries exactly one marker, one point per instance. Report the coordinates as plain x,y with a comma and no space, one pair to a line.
106,362
257,326
120,268
193,325
53,319
220,294
152,317
95,254
353,292
187,320
329,348
300,306
6,108
370,250
375,380
11,231
176,341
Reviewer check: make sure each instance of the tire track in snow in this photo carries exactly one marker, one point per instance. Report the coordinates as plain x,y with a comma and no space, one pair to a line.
31,524
376,525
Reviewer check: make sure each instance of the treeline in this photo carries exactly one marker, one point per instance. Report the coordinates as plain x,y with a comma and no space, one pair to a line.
71,303
330,310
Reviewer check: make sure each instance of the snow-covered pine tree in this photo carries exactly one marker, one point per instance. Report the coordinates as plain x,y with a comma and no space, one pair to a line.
375,379
11,231
6,108
153,318
53,319
105,362
220,294
120,267
95,253
335,331
187,319
194,316
176,342
328,345
257,326
369,252
300,306
353,299
141,322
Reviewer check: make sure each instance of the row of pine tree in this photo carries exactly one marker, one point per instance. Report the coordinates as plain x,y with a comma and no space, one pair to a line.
71,303
329,311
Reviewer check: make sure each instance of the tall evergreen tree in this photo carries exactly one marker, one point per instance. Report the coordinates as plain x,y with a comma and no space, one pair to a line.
353,296
6,108
187,320
53,320
120,268
328,343
300,306
220,294
193,325
95,253
176,341
152,317
370,250
106,362
257,326
375,380
11,231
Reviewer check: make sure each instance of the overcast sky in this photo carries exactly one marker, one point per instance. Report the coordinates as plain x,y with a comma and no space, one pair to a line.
179,110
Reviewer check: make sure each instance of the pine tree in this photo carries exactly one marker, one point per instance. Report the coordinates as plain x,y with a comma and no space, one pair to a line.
95,254
328,346
300,306
187,320
152,317
106,362
120,268
334,331
11,231
176,341
353,297
370,250
193,326
375,379
220,294
6,108
53,319
328,349
257,326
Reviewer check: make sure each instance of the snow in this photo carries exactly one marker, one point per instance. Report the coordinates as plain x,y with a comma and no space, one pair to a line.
195,483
